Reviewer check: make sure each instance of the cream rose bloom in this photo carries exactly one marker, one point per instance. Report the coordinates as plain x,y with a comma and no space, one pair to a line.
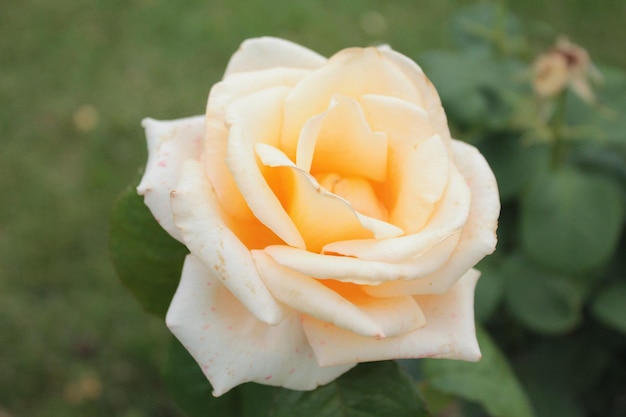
329,216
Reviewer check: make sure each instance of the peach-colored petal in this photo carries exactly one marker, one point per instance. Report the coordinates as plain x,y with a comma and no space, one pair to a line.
170,143
478,237
426,170
449,332
255,119
198,216
267,52
430,100
367,316
232,346
447,221
340,141
352,72
320,216
310,297
359,271
222,94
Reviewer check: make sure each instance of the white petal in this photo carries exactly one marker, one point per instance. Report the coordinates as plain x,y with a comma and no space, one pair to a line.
308,296
256,119
170,143
231,346
267,52
358,271
449,332
356,312
478,237
198,216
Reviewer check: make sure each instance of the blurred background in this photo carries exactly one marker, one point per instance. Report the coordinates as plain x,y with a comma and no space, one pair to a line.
76,78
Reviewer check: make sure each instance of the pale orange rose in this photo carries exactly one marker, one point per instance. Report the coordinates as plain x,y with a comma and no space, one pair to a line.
329,216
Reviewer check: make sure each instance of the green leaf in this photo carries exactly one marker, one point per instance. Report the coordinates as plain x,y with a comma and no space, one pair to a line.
490,382
489,290
609,306
147,260
544,301
571,221
192,391
514,163
370,390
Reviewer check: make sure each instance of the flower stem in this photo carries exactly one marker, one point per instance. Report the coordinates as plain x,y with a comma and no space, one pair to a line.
556,126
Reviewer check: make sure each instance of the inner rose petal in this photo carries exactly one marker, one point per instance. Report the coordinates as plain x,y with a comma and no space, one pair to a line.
256,118
357,191
340,140
320,216
352,72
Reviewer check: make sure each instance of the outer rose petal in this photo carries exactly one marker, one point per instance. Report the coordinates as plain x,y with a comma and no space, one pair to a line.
198,216
361,314
478,237
449,332
267,52
232,346
170,143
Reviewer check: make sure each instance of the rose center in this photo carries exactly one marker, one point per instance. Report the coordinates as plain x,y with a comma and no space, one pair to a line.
357,191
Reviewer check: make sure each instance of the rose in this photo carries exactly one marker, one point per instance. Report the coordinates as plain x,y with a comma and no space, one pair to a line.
329,216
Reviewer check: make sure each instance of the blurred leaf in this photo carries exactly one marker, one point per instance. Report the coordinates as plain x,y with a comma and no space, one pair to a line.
147,259
486,26
543,301
489,289
610,306
490,382
193,393
369,390
514,163
571,221
477,89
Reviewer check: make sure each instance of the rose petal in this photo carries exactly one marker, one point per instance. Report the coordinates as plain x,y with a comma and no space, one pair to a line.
478,237
310,297
340,141
358,271
367,316
352,72
256,118
199,218
268,52
449,217
320,216
449,332
170,143
430,98
232,346
222,94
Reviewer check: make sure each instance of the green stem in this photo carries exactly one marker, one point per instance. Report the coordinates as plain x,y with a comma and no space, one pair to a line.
556,126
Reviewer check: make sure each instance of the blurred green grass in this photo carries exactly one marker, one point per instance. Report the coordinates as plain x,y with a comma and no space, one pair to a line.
76,78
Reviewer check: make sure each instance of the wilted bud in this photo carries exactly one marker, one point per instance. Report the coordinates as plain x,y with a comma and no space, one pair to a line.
565,65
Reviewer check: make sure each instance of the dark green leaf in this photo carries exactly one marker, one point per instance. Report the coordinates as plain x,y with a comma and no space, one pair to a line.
377,389
545,302
490,382
610,306
571,221
147,259
192,391
514,163
489,289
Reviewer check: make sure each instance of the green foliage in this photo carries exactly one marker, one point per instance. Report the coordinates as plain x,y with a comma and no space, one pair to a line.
610,306
490,382
571,220
369,390
146,258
